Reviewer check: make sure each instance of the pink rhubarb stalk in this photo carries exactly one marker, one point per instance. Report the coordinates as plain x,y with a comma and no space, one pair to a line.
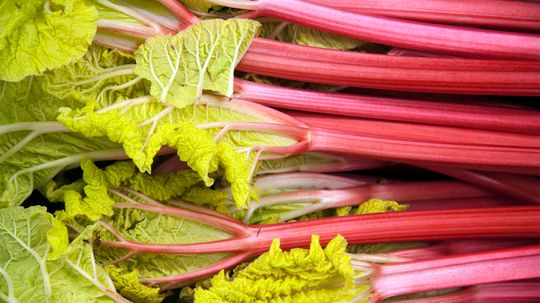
436,75
456,247
407,34
455,271
520,15
392,108
525,188
505,292
401,150
251,240
442,204
522,187
419,132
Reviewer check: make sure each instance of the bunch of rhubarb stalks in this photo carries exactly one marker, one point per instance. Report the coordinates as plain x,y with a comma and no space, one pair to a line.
270,151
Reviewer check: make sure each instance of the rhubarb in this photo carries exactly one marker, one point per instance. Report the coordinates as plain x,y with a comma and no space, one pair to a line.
391,108
408,34
521,15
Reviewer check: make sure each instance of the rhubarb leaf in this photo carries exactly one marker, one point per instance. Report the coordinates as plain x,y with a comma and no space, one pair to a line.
34,147
145,128
23,254
102,76
213,198
128,285
311,37
55,192
164,186
373,206
201,57
299,275
28,275
303,35
200,6
38,35
93,199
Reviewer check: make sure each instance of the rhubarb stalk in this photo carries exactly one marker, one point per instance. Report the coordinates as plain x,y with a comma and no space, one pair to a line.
250,240
407,34
391,108
520,15
456,271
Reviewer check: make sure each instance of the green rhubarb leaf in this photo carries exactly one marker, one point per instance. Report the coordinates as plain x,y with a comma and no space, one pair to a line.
237,172
213,198
55,192
145,128
93,200
200,6
117,127
114,174
95,203
28,275
199,58
58,239
102,76
195,147
165,186
298,275
272,214
38,35
34,147
128,285
23,254
307,36
311,37
373,206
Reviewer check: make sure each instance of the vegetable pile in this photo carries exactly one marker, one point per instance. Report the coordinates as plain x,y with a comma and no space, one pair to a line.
269,151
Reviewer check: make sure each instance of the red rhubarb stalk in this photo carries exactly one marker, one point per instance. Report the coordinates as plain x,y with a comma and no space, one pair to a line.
456,271
441,204
415,53
519,15
392,108
251,240
456,247
418,132
519,221
392,149
507,292
522,187
457,76
525,188
317,54
180,11
407,34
